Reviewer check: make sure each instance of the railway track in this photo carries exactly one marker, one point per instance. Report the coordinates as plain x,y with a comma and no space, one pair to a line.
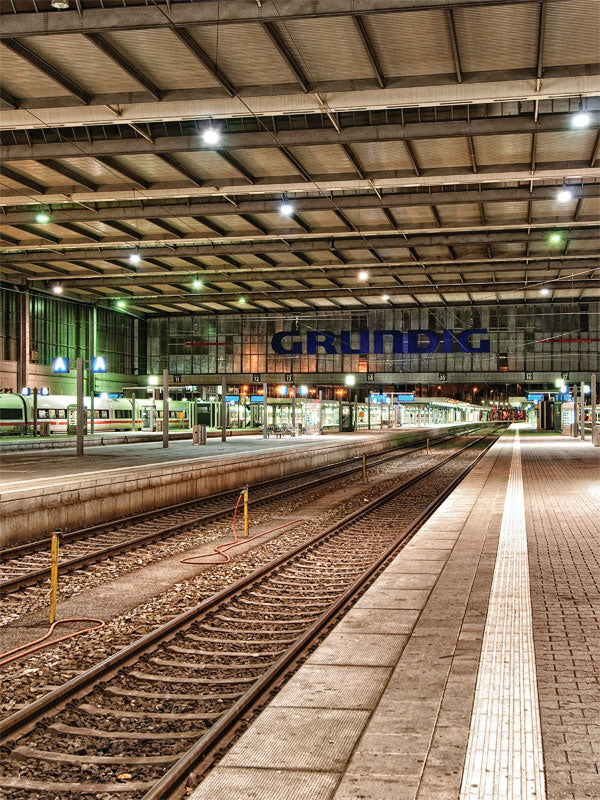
28,564
136,724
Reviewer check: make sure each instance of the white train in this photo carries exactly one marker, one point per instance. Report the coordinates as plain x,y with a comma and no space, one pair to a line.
59,414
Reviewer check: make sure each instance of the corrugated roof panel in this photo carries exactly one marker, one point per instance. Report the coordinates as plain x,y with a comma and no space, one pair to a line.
553,210
24,81
461,213
414,216
162,57
572,33
265,162
497,212
415,43
245,54
590,207
372,218
382,156
323,159
37,170
565,146
497,38
207,164
320,220
82,62
189,225
23,236
327,48
149,167
92,169
514,149
437,153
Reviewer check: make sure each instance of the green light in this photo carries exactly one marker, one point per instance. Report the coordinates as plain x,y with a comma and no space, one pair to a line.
197,283
42,217
121,304
555,238
242,300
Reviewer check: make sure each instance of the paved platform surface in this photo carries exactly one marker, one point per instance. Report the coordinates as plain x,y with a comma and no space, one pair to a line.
469,669
22,468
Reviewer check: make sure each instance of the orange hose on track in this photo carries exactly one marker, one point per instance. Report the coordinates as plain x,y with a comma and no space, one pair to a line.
31,647
221,549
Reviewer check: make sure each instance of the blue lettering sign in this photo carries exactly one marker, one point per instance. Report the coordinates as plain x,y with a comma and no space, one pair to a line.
60,365
430,347
324,339
463,341
378,341
98,364
405,398
347,348
277,344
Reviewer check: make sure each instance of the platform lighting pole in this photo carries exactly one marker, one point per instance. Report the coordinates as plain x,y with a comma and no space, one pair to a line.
165,418
92,329
356,409
81,422
35,411
595,438
582,411
339,414
223,410
265,393
575,409
369,410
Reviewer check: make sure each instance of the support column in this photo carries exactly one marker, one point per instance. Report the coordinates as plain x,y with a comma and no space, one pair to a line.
223,410
575,417
339,414
23,344
582,411
92,341
265,393
81,421
294,409
165,416
595,431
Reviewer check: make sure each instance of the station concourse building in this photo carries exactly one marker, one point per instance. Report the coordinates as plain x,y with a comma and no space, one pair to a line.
328,225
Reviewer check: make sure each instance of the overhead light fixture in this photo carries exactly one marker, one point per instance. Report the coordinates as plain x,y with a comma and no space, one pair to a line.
135,258
286,208
211,135
363,275
385,297
555,238
564,195
60,4
56,288
545,291
42,217
121,303
242,300
581,120
197,283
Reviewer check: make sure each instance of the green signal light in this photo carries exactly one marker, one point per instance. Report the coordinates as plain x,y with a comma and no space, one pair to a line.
555,238
42,217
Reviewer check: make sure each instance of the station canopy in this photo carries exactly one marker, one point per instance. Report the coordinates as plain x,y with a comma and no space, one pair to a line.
257,156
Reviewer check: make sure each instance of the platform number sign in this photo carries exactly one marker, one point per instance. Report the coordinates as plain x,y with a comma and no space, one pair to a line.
564,376
98,364
60,365
370,376
289,377
256,377
442,376
176,378
529,376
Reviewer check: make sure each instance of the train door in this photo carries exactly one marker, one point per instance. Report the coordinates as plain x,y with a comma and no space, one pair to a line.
148,416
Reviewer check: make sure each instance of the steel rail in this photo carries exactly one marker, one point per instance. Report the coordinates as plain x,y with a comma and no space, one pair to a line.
53,700
32,577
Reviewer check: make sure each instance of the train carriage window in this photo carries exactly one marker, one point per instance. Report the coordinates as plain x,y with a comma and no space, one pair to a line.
103,413
11,413
96,413
51,413
42,413
61,413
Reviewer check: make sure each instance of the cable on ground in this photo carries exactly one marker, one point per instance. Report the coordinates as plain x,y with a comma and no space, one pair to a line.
30,647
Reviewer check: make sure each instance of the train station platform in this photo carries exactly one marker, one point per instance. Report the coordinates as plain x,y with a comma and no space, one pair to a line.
45,491
469,669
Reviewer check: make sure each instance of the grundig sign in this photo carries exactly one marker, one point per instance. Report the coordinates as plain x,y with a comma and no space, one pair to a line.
288,343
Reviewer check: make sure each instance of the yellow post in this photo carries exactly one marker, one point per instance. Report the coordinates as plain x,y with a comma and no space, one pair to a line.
364,469
53,577
428,450
246,511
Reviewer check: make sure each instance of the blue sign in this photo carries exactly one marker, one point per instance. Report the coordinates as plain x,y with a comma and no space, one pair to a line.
379,398
45,391
98,364
109,395
257,398
232,398
406,398
535,397
60,365
26,391
416,341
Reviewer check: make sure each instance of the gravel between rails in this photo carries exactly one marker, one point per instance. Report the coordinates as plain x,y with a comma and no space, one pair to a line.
25,601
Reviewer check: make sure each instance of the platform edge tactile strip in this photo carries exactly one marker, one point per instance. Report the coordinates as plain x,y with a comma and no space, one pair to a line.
504,754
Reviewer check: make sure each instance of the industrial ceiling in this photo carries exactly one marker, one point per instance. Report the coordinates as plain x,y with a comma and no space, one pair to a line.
257,156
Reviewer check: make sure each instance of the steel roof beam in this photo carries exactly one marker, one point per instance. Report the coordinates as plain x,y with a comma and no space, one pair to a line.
369,49
212,226
24,180
9,100
118,58
284,52
130,233
192,45
295,163
50,237
355,134
254,223
46,69
126,172
454,44
166,226
181,169
66,172
80,231
196,206
237,165
586,231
